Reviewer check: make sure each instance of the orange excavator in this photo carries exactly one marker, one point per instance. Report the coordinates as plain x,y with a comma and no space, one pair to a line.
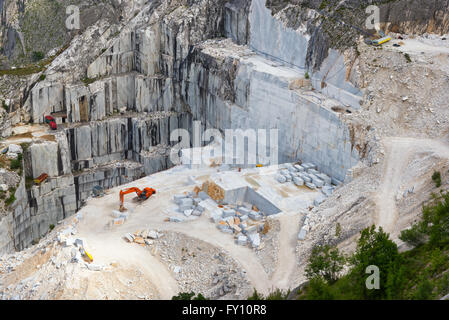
142,195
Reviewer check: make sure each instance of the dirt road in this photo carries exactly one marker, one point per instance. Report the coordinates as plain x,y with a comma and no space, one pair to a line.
399,151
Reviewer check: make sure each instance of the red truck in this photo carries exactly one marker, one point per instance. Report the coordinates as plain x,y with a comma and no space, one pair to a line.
51,122
41,178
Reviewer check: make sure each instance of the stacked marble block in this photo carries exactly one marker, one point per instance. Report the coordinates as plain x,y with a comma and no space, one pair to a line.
190,204
307,174
241,221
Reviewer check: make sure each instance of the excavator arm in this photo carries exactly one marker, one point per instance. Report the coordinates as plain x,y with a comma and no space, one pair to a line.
141,194
128,191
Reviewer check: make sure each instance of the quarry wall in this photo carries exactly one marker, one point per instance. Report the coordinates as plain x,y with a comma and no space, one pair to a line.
163,75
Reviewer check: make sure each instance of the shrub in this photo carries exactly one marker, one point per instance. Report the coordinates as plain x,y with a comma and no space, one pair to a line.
278,294
37,56
407,57
12,197
29,182
15,164
443,286
307,75
436,177
52,226
318,289
338,230
188,296
25,146
5,106
42,77
256,296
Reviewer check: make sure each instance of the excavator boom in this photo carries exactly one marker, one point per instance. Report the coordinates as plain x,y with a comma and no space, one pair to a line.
141,194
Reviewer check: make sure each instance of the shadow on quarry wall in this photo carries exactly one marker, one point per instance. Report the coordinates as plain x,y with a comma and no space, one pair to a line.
249,195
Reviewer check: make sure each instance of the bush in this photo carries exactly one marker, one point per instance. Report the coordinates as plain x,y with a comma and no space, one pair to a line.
307,75
12,197
407,57
278,294
188,296
5,106
436,177
15,164
52,226
318,289
37,56
25,146
338,230
42,77
443,286
256,296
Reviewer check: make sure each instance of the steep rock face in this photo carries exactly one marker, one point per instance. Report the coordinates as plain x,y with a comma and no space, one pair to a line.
29,26
108,153
40,206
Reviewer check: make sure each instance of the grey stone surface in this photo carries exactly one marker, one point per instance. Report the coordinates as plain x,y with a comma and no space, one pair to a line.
310,185
178,197
298,181
319,199
281,178
254,239
255,216
317,181
324,177
327,190
228,213
242,240
302,234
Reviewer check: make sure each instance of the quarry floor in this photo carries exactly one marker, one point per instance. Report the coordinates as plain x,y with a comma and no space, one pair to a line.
107,244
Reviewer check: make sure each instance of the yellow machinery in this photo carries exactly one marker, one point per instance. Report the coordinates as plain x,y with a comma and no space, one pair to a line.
378,42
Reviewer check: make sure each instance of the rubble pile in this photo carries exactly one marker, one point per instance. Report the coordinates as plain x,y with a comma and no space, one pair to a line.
244,221
222,278
143,237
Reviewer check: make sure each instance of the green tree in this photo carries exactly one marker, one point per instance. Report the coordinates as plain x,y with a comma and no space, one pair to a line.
375,248
318,289
424,291
435,222
413,236
326,262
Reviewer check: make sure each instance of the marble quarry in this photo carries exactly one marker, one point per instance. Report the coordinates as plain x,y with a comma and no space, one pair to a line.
236,68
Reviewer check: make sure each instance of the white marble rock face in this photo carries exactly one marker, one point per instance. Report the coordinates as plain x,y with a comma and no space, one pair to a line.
144,72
